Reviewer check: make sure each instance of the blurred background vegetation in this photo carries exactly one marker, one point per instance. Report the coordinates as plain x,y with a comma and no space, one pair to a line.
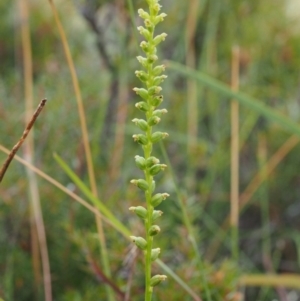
104,45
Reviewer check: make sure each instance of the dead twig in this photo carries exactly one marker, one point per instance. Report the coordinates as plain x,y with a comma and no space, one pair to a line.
22,139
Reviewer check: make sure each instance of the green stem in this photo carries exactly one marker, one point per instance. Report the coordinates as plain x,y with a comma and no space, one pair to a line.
148,221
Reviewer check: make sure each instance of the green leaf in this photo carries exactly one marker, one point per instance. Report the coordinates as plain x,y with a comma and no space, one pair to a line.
242,98
87,192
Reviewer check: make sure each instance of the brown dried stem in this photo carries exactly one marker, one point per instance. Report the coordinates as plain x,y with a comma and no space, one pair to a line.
22,139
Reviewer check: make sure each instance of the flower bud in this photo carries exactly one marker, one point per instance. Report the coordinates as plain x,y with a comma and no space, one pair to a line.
155,253
140,242
154,230
141,75
143,14
157,136
140,162
159,18
139,211
155,169
140,183
142,92
156,100
156,7
142,106
158,198
151,161
145,32
158,70
154,90
140,138
157,279
145,46
149,25
159,113
159,38
153,120
152,58
141,123
156,214
143,61
159,79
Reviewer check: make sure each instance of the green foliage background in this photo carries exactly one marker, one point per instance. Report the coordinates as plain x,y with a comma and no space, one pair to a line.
105,63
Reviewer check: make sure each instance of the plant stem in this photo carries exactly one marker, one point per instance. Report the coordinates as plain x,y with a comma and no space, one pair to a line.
148,221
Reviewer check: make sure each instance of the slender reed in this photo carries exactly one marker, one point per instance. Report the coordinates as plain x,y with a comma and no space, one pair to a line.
151,77
38,231
286,280
86,144
265,216
234,191
192,101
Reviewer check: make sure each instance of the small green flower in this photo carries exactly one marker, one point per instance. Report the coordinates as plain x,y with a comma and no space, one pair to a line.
139,211
141,123
158,39
154,230
155,169
140,183
158,198
142,92
141,139
142,106
151,161
140,162
155,253
156,214
157,136
157,279
159,69
159,113
140,242
156,101
154,120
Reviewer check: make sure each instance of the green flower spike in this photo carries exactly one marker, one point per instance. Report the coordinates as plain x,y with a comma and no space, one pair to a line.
151,77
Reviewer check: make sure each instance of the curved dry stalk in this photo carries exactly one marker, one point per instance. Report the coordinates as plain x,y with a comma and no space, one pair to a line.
285,280
22,139
85,138
37,226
